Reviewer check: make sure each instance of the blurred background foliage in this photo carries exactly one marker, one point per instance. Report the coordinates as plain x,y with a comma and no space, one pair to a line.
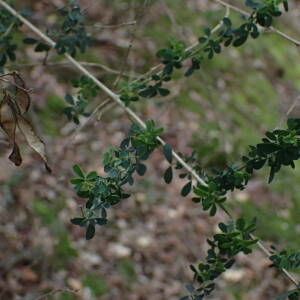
144,252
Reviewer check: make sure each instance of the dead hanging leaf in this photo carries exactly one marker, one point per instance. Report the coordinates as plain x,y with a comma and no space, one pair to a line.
32,139
22,97
8,123
12,110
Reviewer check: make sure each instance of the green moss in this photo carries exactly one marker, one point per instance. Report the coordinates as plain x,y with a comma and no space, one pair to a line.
127,269
63,249
96,284
48,211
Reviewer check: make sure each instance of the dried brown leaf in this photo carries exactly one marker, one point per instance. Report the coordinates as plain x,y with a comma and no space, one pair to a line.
22,96
11,116
8,120
33,139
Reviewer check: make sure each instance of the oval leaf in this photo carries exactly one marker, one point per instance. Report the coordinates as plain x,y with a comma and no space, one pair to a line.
78,171
168,153
186,189
90,232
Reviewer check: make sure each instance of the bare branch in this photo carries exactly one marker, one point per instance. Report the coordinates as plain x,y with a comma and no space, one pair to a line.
53,292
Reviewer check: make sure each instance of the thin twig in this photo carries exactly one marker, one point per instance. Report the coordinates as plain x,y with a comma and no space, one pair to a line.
139,15
289,111
130,23
87,64
51,293
268,253
172,18
158,67
99,108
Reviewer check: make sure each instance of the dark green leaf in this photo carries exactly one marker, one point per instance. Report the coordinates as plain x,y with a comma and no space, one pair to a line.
92,175
186,189
163,92
42,47
240,41
223,227
168,175
101,221
78,221
77,170
240,224
190,288
69,99
76,180
213,210
285,295
29,41
141,169
293,123
168,153
90,232
229,264
268,148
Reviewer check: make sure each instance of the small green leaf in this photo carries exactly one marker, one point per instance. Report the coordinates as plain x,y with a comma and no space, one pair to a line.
293,123
77,170
168,175
69,99
29,41
101,221
76,180
168,153
285,295
240,224
92,175
141,169
78,221
202,40
186,189
223,227
229,264
42,47
213,210
163,92
268,148
190,288
90,232
240,41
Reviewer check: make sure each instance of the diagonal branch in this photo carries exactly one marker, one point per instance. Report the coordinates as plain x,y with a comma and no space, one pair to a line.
131,113
103,87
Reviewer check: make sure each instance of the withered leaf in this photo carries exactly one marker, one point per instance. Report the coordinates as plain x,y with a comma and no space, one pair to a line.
22,97
12,110
8,121
33,139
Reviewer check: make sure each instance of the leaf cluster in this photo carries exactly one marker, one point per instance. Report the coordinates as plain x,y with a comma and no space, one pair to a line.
8,23
120,164
13,107
233,239
71,35
286,259
214,194
279,148
211,43
86,89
